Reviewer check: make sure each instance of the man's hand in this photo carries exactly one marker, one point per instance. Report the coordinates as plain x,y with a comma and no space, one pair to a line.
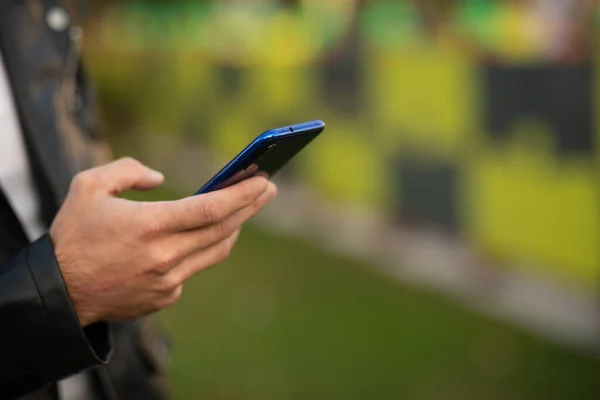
123,259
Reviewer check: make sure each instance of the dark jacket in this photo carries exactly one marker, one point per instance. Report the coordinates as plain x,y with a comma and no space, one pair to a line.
41,340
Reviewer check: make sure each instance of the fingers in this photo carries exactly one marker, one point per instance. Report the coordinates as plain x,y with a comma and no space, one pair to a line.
120,175
190,241
203,259
206,209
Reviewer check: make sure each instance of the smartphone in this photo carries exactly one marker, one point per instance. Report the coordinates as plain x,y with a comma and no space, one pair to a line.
265,155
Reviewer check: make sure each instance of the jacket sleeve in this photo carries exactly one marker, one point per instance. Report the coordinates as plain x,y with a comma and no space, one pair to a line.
139,367
41,340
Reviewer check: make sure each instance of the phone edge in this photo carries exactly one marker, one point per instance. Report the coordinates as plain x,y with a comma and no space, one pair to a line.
275,133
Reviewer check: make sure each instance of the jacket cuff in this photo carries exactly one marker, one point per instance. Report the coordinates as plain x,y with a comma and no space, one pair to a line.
72,345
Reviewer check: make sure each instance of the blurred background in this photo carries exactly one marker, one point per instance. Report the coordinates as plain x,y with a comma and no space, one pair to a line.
441,239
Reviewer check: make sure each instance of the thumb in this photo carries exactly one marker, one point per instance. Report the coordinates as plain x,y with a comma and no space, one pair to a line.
128,173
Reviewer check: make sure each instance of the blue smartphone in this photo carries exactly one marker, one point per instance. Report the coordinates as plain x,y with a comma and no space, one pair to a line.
265,155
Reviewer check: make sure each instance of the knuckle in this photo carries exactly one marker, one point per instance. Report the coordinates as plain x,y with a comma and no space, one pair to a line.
247,194
223,229
163,261
257,206
151,227
176,295
173,296
170,282
81,180
223,252
130,162
209,211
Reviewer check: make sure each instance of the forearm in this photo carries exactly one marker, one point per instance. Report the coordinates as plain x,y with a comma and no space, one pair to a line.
41,340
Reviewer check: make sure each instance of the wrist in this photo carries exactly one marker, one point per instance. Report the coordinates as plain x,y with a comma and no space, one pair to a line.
78,299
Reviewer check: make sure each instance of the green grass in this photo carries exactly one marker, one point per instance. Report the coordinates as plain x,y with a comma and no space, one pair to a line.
283,320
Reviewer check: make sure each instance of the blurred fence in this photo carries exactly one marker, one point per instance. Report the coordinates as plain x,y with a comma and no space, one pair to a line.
473,117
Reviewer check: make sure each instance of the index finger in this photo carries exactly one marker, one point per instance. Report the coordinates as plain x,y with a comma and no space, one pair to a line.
206,209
